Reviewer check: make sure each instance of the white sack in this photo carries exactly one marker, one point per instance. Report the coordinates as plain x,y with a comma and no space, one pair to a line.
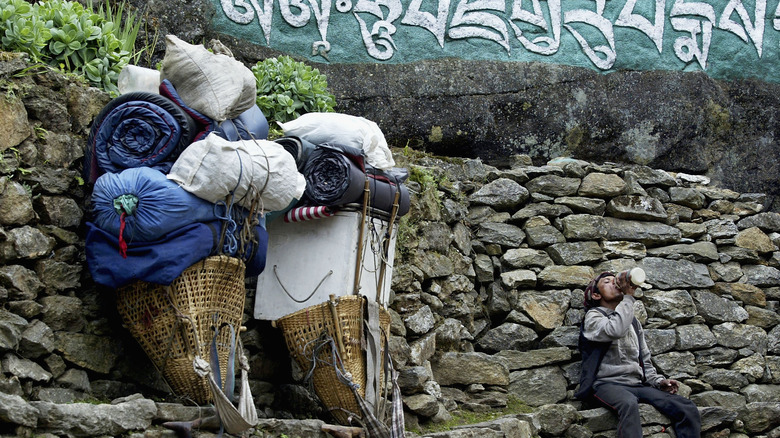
345,130
216,85
134,78
214,167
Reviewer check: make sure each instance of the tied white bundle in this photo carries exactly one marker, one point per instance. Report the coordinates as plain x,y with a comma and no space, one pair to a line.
213,168
343,130
216,85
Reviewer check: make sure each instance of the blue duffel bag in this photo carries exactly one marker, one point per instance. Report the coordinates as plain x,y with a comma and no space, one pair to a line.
146,203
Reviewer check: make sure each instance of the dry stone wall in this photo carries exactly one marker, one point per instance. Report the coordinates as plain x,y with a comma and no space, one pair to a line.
487,292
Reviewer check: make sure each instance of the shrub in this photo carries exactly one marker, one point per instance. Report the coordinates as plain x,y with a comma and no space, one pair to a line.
66,35
287,88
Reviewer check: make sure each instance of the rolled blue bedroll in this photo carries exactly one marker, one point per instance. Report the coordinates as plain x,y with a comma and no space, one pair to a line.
249,125
299,148
152,204
137,129
332,177
335,176
161,261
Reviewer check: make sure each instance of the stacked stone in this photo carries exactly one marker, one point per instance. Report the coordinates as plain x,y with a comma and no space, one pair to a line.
490,266
56,343
489,294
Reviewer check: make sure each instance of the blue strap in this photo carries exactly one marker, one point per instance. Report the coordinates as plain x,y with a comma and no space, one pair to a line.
214,359
230,379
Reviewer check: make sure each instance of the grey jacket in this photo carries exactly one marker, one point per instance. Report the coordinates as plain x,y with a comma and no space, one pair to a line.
621,362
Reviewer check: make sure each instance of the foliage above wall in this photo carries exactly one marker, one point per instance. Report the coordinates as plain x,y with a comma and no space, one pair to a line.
287,88
71,37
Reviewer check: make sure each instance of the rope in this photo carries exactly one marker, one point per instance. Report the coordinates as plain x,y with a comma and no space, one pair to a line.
122,243
325,340
276,274
228,243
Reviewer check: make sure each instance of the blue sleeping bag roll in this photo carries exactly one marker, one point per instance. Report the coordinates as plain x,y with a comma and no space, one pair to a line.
137,129
159,261
249,125
153,204
162,260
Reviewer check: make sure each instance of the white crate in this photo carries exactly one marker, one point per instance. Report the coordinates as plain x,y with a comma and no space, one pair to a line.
308,261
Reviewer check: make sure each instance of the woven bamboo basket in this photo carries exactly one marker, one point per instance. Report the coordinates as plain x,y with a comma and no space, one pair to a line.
175,323
301,331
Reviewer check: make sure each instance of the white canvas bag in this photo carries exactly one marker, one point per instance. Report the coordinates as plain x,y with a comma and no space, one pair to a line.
344,130
214,167
216,85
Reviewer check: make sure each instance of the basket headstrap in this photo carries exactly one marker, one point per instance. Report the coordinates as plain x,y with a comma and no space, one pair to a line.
373,354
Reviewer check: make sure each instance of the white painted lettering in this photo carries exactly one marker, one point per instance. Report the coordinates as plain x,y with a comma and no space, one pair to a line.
749,29
604,26
264,16
437,25
543,45
322,15
379,40
776,21
229,7
687,47
469,22
654,30
294,19
536,24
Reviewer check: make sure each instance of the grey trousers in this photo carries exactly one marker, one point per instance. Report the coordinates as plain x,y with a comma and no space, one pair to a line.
625,401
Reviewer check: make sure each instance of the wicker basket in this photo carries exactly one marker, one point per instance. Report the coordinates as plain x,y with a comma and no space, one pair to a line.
302,329
175,323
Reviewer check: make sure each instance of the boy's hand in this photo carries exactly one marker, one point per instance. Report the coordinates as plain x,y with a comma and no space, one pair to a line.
670,385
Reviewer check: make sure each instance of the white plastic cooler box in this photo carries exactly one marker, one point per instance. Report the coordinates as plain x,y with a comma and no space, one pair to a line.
301,256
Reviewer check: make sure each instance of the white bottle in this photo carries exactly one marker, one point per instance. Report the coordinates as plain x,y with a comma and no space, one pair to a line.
635,276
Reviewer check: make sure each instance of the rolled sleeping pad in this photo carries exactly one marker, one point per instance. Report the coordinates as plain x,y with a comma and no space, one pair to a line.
135,130
382,193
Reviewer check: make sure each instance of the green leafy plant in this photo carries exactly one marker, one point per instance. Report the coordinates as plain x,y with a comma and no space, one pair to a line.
286,89
22,30
66,35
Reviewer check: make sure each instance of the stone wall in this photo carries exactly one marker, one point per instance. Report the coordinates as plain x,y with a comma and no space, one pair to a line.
487,291
489,294
682,121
